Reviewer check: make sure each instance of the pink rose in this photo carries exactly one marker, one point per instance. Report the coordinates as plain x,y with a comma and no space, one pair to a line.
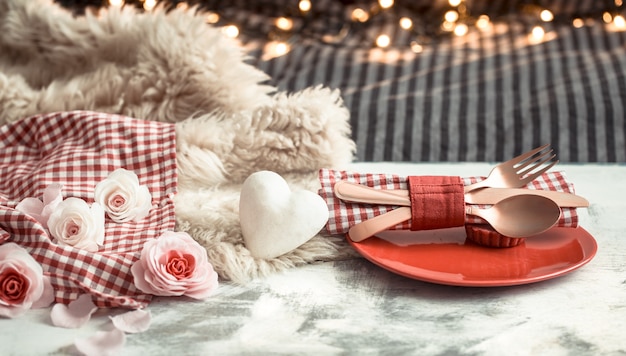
22,283
41,210
122,197
173,265
75,223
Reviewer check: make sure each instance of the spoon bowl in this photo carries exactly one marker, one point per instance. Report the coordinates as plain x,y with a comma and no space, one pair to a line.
521,215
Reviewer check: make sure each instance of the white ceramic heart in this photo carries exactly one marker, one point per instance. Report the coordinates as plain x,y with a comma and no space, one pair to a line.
275,220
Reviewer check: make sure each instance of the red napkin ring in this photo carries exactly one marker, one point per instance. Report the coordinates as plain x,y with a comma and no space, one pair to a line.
436,202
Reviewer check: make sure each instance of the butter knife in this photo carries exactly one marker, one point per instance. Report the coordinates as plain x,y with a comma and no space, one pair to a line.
494,195
359,193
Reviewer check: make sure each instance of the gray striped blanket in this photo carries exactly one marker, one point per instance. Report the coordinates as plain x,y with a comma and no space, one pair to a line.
486,96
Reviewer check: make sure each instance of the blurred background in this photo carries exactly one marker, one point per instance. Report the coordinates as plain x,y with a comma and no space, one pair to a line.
442,80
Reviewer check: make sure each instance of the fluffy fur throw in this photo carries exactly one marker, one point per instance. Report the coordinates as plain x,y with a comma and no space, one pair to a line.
171,66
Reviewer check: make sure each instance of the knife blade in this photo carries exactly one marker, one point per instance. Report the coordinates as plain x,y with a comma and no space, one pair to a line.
494,195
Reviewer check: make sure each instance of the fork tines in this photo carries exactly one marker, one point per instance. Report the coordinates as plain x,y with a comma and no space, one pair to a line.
541,158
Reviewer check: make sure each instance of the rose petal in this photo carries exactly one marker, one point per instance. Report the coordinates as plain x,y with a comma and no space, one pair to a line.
52,197
97,212
139,272
75,314
102,343
206,287
52,194
30,206
135,321
4,236
40,211
47,297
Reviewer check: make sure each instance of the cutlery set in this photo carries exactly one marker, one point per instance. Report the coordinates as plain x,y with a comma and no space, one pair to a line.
514,212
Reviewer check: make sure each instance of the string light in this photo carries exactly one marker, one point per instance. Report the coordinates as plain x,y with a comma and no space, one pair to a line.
483,22
619,21
304,5
284,23
149,5
386,4
578,22
461,29
282,48
451,16
456,21
231,31
537,34
360,15
406,23
447,26
275,49
212,18
416,47
546,16
383,41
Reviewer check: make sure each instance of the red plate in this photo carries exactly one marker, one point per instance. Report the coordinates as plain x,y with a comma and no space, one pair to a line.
445,257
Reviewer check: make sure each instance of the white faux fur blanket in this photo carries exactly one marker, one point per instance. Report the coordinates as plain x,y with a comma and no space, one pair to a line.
174,67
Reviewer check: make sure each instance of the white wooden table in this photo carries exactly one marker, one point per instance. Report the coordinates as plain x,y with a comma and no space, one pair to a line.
355,307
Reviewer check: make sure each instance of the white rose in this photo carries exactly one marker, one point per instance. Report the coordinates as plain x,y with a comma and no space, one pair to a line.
122,197
76,224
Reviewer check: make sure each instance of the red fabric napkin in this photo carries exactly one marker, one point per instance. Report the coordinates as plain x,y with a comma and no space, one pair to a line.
344,215
436,202
79,149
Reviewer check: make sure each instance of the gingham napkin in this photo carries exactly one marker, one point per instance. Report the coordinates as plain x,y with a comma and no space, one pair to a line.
79,149
344,215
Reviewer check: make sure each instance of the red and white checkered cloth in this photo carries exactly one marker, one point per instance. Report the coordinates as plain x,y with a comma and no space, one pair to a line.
79,149
344,215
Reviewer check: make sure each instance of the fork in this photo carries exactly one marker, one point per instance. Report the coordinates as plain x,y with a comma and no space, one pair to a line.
516,172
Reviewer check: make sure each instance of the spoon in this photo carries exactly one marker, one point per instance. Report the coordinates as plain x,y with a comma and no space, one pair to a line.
521,215
516,216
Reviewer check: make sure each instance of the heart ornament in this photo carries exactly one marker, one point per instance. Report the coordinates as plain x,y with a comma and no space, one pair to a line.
275,220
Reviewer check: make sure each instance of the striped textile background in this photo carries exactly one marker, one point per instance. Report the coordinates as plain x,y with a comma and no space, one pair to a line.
484,97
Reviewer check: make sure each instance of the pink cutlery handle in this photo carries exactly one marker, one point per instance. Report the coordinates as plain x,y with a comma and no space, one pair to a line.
358,193
373,226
